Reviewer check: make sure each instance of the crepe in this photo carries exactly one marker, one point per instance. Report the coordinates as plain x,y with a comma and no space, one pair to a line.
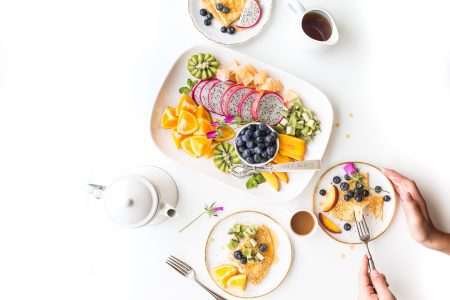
256,270
343,210
236,7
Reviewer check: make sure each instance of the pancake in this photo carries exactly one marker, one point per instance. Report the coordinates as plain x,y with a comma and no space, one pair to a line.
257,270
236,7
343,210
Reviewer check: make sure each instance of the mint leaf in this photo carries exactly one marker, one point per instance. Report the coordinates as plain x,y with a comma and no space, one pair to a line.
184,90
189,83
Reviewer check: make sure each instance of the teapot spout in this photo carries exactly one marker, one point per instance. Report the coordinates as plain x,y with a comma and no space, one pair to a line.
169,211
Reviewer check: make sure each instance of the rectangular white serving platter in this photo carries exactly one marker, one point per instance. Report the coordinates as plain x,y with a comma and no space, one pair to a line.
311,97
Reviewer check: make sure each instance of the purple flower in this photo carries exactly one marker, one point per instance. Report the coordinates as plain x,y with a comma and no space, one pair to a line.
211,134
229,120
216,209
349,168
215,124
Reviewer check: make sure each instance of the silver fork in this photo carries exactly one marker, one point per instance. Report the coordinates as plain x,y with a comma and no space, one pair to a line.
364,236
186,270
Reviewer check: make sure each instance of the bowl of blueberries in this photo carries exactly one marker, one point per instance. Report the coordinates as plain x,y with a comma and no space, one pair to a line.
256,144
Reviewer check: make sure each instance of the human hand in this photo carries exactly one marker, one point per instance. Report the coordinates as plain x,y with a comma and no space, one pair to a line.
373,285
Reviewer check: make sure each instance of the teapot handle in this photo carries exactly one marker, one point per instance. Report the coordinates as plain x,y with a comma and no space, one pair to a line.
96,190
168,211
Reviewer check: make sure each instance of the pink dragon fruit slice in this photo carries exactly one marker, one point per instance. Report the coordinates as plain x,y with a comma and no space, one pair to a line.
226,96
234,99
215,95
204,93
267,108
196,91
250,15
245,106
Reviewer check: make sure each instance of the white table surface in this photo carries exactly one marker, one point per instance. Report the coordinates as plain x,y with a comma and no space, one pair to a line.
77,81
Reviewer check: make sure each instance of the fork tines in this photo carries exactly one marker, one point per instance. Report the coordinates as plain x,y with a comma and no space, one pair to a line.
178,265
363,229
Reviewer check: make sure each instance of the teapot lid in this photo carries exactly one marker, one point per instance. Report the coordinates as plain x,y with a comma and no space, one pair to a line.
131,201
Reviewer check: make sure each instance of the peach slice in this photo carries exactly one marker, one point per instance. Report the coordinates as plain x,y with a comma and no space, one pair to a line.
328,224
332,198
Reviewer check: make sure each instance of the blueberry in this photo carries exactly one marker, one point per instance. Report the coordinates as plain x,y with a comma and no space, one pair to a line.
249,134
387,198
250,144
243,260
237,254
274,134
209,16
268,145
245,138
258,150
358,198
252,127
270,139
203,12
350,194
259,139
337,179
250,160
265,155
239,142
262,247
262,127
226,10
261,146
346,197
246,153
271,151
347,226
359,185
252,151
231,30
258,133
241,149
207,22
378,189
322,192
358,192
223,29
257,158
219,6
347,177
365,193
344,186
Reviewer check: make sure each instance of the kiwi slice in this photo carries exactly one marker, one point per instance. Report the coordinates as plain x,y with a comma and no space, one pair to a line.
202,66
224,156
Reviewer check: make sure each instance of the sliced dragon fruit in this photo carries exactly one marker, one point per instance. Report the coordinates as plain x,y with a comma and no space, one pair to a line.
225,97
251,14
215,95
245,106
204,93
196,91
234,99
267,108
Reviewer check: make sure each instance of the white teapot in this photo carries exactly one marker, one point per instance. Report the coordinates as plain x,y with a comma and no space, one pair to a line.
146,196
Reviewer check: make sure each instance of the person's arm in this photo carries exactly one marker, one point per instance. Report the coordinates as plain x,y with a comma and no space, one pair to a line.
419,222
373,285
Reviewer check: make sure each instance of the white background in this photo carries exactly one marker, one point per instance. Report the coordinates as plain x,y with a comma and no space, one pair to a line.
77,81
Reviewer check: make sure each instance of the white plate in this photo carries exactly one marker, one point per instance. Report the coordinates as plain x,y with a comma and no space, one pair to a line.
213,32
376,227
310,95
216,252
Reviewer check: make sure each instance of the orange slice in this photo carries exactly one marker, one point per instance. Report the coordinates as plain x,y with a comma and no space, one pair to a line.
177,138
200,145
237,281
227,133
223,272
204,126
202,113
186,145
186,104
169,118
187,123
209,154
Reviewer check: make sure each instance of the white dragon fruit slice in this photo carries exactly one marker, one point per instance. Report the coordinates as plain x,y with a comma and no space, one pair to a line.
204,93
245,106
215,95
234,99
251,14
226,96
267,108
196,91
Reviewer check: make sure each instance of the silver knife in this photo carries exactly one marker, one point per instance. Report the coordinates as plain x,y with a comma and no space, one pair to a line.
242,170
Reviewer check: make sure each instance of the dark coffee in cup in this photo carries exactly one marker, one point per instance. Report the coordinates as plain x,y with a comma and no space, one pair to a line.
317,26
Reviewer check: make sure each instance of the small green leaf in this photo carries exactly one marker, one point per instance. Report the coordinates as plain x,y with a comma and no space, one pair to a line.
184,90
189,83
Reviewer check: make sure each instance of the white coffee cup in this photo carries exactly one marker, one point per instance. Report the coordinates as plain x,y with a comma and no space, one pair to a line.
317,26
